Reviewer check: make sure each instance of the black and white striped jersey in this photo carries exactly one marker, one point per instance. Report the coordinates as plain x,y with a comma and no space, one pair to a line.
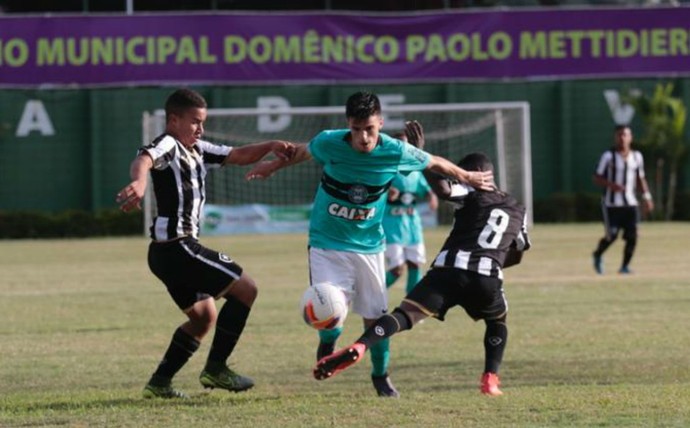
178,176
623,171
486,226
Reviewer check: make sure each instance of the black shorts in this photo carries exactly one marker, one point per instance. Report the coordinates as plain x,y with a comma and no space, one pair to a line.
190,271
481,296
625,218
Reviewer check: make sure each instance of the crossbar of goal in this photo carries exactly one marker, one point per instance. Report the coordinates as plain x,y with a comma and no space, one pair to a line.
154,124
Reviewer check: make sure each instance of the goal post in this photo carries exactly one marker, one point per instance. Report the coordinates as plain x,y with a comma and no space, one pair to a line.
282,202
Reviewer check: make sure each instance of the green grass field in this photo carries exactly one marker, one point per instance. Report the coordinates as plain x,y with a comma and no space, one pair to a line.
84,324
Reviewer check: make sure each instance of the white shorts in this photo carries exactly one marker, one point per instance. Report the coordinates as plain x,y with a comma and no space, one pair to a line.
361,276
397,254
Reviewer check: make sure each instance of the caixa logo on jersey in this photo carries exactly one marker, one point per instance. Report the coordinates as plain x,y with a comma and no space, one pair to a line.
358,194
349,213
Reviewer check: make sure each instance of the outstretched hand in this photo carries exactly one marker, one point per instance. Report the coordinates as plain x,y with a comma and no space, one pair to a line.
131,196
414,133
284,150
481,180
262,170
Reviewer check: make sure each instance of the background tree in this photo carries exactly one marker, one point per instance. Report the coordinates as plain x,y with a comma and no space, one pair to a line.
664,117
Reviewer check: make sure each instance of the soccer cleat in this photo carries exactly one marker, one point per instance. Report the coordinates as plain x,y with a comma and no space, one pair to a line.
384,387
226,379
339,361
598,264
624,270
489,384
153,391
324,350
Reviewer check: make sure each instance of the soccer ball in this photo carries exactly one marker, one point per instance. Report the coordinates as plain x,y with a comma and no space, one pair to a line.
324,306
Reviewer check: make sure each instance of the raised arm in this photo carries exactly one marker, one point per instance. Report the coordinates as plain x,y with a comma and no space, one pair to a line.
482,180
267,168
252,153
131,195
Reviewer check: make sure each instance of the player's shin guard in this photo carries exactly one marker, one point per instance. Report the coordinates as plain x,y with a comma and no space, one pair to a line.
231,321
182,347
495,340
414,275
380,357
385,327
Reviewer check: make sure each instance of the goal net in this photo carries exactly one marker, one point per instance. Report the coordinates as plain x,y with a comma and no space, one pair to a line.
282,202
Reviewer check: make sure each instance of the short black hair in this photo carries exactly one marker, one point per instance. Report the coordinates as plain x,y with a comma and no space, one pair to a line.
362,105
620,127
182,100
476,162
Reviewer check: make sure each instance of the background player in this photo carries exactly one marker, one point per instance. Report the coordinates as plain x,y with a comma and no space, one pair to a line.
620,170
403,225
488,234
346,239
194,275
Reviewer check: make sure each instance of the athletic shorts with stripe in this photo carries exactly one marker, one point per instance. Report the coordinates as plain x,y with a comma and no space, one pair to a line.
442,288
190,271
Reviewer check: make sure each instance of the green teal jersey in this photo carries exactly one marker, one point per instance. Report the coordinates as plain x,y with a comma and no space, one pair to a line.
401,222
351,199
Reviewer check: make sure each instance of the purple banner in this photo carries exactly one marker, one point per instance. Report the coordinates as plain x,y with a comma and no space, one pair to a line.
302,48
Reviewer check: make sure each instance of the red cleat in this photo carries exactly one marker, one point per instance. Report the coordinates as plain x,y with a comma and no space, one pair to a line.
329,365
489,385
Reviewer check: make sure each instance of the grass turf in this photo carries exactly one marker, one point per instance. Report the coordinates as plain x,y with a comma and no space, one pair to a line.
84,324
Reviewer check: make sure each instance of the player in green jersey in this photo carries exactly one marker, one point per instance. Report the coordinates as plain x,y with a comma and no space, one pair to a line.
346,237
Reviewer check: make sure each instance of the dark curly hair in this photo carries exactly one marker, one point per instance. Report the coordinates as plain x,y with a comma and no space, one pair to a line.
476,162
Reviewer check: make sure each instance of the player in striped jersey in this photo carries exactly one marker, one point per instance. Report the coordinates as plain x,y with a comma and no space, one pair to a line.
488,235
194,275
619,172
346,238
